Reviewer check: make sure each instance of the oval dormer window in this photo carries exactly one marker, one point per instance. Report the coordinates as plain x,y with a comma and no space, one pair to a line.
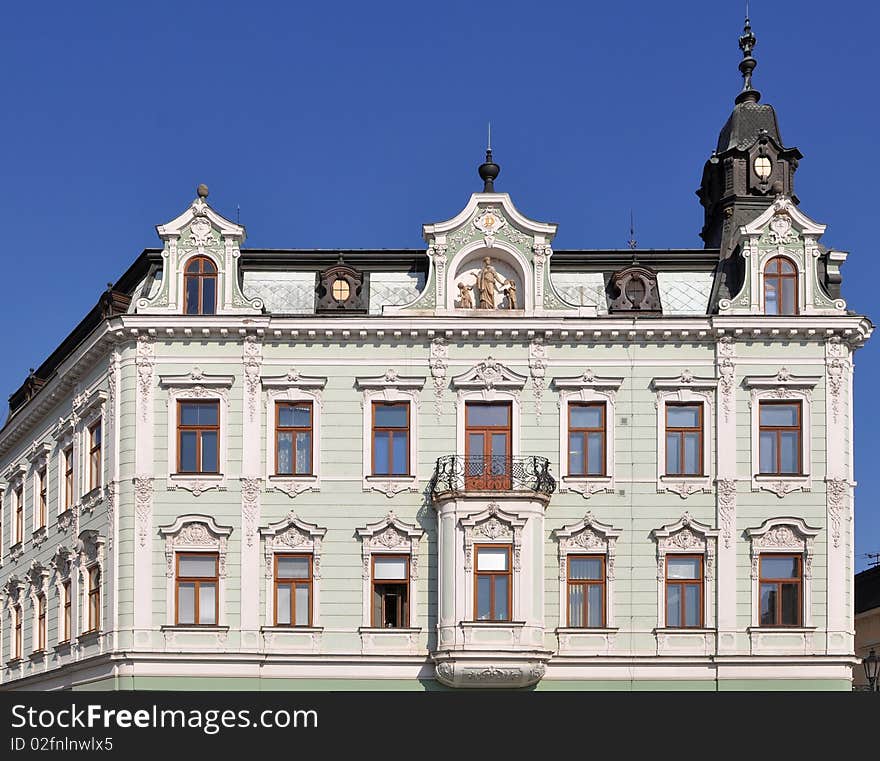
340,290
763,167
635,291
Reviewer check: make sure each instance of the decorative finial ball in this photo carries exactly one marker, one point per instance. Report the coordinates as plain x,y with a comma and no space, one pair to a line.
202,190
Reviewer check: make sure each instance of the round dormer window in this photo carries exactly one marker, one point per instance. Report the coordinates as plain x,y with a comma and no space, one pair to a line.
763,167
340,290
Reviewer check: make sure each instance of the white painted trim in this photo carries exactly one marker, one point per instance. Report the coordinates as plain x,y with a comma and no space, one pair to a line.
441,228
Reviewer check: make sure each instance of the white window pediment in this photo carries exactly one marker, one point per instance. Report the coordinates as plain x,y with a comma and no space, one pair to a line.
488,375
196,379
292,534
293,379
389,383
493,524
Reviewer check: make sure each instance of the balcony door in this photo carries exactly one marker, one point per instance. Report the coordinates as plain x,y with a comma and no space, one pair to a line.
487,446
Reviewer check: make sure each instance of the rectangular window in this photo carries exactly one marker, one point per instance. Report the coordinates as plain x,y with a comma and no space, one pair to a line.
586,590
780,438
293,438
19,514
493,583
94,599
293,590
684,591
780,590
16,642
391,591
41,622
68,477
586,439
41,499
196,587
95,456
198,437
684,439
390,439
65,624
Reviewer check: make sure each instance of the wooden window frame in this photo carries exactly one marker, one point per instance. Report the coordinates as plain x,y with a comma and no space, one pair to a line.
94,598
701,581
584,432
41,622
42,502
375,621
779,430
19,514
293,584
294,430
66,611
780,277
681,431
390,429
198,429
586,583
17,632
95,454
799,581
201,275
68,477
197,580
508,573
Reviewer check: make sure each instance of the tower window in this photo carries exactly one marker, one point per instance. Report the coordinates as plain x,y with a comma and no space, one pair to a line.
763,167
200,286
780,287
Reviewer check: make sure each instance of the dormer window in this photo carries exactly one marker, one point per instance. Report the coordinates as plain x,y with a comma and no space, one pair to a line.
780,287
200,286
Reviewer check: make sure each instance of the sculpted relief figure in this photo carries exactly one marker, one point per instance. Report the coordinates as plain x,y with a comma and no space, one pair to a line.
510,291
485,285
464,297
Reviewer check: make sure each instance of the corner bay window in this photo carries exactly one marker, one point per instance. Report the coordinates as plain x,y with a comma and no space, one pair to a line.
586,591
293,590
293,438
95,456
780,590
200,286
780,438
684,439
198,437
684,591
196,589
94,598
390,439
492,583
390,591
586,439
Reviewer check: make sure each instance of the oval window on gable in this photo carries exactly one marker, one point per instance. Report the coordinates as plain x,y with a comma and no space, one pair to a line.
780,287
200,286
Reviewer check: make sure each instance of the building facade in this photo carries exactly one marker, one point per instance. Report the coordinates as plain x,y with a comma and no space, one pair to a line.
867,619
486,463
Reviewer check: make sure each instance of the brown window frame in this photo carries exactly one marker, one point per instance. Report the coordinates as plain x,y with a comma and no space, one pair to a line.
201,276
95,443
66,620
42,505
94,598
68,477
293,430
41,622
376,617
799,581
585,437
198,429
780,277
681,431
603,583
17,632
508,573
684,583
198,581
293,584
779,430
19,514
390,429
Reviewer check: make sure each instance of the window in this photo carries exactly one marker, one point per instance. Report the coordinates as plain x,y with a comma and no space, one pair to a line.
390,439
293,438
200,286
41,622
780,438
94,598
65,622
586,591
780,590
41,499
198,434
684,591
16,642
197,599
19,514
493,583
68,477
390,591
95,456
586,439
293,590
780,287
684,439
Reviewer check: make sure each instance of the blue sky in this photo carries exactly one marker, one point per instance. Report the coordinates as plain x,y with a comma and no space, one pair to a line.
351,124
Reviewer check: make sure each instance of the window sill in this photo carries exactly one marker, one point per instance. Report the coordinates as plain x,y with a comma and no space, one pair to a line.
293,485
390,485
193,628
14,662
292,629
684,485
582,630
62,648
395,478
780,485
39,535
16,550
780,629
389,630
65,518
701,630
39,655
494,624
781,477
196,482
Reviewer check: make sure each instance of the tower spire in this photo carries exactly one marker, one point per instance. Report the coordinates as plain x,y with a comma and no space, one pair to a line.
747,42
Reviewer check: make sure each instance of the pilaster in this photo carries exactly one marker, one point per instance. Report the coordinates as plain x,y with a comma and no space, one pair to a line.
726,494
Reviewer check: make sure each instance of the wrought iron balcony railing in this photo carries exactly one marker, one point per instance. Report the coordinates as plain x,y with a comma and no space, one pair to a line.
458,473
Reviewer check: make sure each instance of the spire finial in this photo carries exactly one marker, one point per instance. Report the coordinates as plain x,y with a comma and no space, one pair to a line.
632,242
489,170
489,138
202,191
747,42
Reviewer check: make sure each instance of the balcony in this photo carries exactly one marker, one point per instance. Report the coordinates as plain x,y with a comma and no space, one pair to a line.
460,474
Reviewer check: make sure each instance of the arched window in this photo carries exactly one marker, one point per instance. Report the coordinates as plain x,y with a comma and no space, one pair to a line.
200,286
780,287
